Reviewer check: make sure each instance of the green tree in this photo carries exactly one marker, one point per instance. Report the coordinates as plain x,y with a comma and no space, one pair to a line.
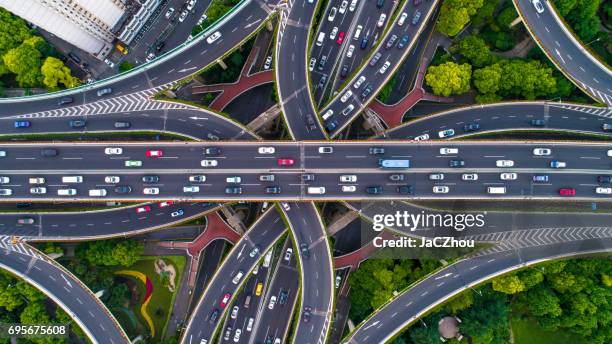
125,66
449,78
476,50
508,284
484,14
459,302
54,72
119,296
13,31
111,252
63,318
52,248
24,61
34,313
488,79
541,301
455,14
506,16
10,298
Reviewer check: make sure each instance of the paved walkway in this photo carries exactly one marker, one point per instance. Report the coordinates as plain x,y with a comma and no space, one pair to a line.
353,259
245,82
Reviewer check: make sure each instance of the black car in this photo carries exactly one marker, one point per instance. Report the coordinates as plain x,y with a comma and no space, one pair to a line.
364,42
65,100
396,177
304,250
538,122
331,124
322,62
402,43
160,46
233,190
604,179
311,121
306,315
48,152
308,177
76,123
212,151
273,189
123,189
377,150
74,57
471,127
404,189
121,124
456,163
344,71
323,80
150,179
213,316
366,92
374,190
282,297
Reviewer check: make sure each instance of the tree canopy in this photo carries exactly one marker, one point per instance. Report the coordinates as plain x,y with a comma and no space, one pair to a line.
455,14
449,78
111,252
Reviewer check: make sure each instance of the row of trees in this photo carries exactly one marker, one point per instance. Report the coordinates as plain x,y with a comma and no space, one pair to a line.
32,61
215,11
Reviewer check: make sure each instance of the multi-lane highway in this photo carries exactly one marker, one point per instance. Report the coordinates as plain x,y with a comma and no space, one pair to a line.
225,284
314,255
564,49
63,288
304,171
507,117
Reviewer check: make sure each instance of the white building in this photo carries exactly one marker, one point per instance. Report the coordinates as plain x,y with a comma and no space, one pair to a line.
90,25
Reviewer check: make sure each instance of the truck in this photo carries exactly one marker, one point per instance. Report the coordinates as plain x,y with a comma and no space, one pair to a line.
393,163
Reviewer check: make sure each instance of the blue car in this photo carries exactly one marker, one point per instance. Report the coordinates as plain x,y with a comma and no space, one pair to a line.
540,178
22,124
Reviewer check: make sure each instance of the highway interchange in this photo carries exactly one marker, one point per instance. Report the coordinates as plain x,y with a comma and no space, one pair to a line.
131,100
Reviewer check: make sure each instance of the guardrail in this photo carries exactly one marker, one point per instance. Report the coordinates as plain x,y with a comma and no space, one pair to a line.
142,68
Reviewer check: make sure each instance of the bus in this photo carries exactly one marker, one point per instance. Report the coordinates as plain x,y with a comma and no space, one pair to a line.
393,163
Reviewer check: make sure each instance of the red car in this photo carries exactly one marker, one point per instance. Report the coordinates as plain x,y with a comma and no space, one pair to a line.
144,209
285,162
165,204
567,192
225,300
340,37
154,153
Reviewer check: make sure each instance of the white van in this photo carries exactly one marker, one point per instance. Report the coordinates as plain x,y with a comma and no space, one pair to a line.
233,180
496,190
320,39
66,192
267,259
72,179
249,327
97,192
357,32
316,190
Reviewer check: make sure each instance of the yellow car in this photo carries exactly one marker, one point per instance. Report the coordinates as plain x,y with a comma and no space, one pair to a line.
258,289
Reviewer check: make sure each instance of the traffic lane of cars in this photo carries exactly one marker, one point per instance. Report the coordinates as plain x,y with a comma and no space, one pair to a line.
197,124
506,117
115,222
221,290
273,323
196,56
317,272
370,74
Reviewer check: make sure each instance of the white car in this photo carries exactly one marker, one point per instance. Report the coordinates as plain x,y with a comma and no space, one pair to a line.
609,152
191,4
183,15
209,163
333,33
191,188
422,137
285,206
332,14
448,151
538,6
469,176
440,189
112,179
436,176
237,335
346,96
384,67
5,180
343,6
603,191
359,82
508,176
402,19
109,63
349,188
288,254
446,133
504,163
212,38
150,191
353,5
199,178
350,50
381,20
113,151
234,313
41,190
272,302
542,151
266,150
326,150
312,64
348,178
36,180
233,180
238,277
2,154
169,12
268,62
